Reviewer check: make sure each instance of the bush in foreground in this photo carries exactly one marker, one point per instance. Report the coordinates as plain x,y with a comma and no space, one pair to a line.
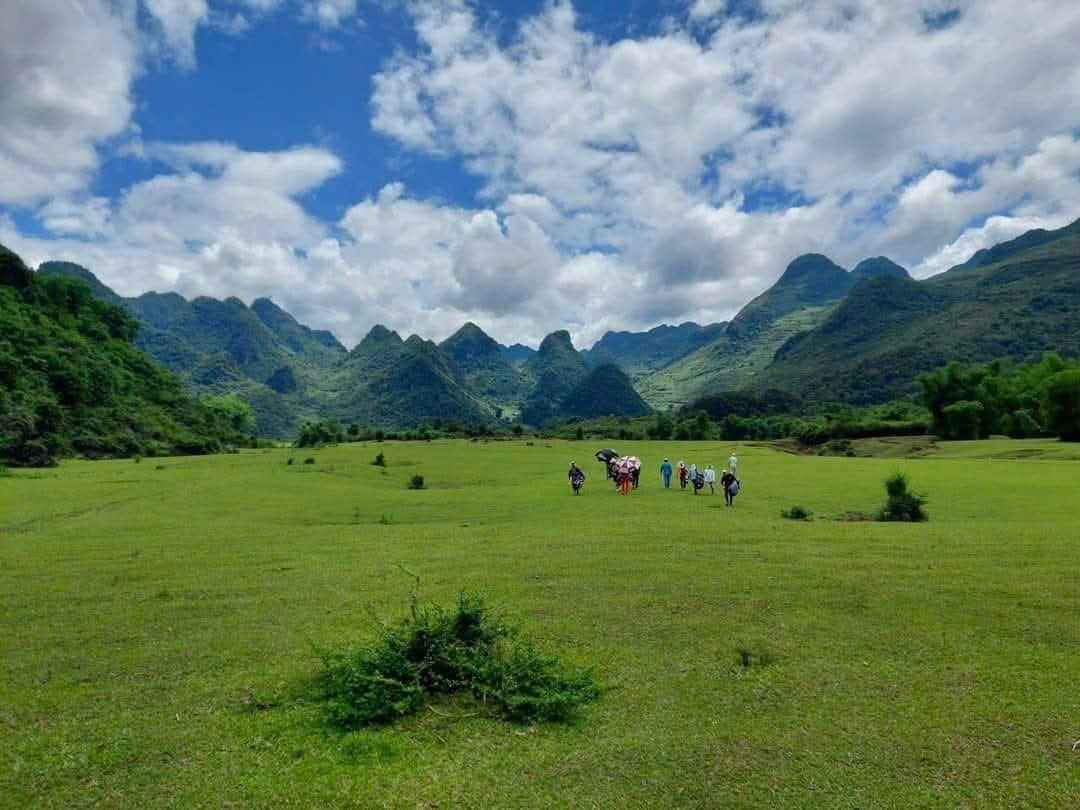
416,482
379,461
436,653
797,513
902,505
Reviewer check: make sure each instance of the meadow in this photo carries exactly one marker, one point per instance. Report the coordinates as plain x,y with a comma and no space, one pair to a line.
158,623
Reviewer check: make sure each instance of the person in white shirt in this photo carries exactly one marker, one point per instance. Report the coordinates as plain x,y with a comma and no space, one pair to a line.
733,464
710,479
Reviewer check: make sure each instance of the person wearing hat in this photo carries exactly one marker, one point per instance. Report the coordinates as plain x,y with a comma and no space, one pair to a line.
665,473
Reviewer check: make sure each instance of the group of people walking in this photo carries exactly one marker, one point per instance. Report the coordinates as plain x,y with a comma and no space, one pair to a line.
698,478
628,476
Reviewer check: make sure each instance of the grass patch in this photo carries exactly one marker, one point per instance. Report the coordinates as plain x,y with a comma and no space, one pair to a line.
797,513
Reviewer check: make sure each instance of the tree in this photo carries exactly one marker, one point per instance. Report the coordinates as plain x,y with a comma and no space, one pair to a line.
663,429
962,419
1061,404
232,410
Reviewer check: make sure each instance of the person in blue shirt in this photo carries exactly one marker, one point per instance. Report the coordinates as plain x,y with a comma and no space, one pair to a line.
665,473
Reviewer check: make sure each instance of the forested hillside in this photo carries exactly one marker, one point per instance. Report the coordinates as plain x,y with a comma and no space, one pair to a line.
72,380
1016,301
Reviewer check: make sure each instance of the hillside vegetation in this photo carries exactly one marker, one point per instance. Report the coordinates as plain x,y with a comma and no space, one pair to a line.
873,347
72,380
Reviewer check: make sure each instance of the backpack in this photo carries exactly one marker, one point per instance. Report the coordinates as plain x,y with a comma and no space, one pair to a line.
733,487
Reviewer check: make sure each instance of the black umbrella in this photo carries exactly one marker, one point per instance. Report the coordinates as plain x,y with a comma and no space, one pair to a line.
606,455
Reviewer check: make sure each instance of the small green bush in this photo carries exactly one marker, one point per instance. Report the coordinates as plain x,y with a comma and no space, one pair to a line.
797,513
290,462
416,482
435,653
379,461
902,505
309,460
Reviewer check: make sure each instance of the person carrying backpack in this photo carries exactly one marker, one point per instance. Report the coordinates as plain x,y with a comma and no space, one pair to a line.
682,475
665,473
731,487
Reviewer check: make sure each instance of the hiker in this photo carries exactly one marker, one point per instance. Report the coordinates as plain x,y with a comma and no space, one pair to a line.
624,479
682,475
733,463
665,473
577,477
731,487
635,476
698,481
710,479
693,472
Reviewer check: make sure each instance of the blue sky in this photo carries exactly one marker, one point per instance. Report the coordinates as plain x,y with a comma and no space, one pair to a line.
528,165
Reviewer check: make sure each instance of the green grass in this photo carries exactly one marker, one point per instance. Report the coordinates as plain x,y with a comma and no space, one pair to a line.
156,623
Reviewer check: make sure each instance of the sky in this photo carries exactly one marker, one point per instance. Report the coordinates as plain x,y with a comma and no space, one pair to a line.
528,165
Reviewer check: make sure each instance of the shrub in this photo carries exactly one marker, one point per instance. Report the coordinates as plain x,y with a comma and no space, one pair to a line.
1061,404
518,430
379,461
902,505
309,460
797,513
416,482
290,462
435,653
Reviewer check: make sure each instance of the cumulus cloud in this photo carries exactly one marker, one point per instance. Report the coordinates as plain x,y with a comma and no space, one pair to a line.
65,87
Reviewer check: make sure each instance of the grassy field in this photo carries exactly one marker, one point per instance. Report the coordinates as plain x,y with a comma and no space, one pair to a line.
157,620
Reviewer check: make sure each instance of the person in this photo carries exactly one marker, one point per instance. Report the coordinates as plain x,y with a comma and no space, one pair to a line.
710,479
576,476
733,463
693,473
699,481
731,487
682,475
665,473
624,480
635,476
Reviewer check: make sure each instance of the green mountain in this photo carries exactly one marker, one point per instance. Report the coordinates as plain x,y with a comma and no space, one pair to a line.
317,346
517,354
638,353
388,381
606,391
556,370
810,287
876,268
487,372
1019,300
73,381
260,353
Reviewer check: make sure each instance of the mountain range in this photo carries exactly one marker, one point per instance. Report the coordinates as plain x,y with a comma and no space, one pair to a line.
821,332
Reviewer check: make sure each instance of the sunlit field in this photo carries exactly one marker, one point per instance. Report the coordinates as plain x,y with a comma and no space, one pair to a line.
159,621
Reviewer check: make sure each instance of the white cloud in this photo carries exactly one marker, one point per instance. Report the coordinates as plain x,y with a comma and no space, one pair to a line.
65,87
329,13
178,20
